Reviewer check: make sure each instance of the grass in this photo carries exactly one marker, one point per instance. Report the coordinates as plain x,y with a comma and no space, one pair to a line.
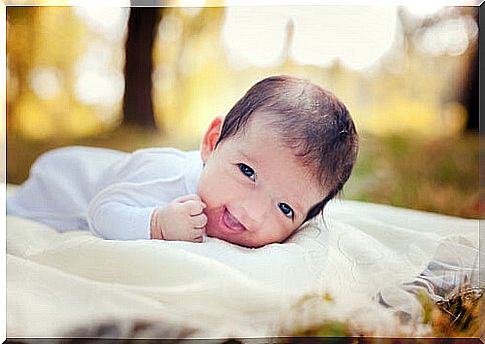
460,315
438,175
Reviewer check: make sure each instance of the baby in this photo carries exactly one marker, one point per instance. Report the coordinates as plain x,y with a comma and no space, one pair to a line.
282,152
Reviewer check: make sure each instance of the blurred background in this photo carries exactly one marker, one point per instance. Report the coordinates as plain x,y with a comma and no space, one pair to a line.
128,78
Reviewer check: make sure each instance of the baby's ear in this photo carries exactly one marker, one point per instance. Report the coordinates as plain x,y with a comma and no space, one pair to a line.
210,138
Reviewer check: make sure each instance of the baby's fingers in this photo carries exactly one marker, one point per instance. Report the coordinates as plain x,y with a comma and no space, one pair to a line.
199,221
199,235
199,239
194,207
185,198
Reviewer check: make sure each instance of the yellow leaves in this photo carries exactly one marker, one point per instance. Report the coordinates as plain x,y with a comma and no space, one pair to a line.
81,121
60,37
403,115
44,46
32,120
44,119
454,117
327,297
45,35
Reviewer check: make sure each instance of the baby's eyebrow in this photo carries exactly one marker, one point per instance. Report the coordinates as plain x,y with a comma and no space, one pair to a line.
245,155
300,208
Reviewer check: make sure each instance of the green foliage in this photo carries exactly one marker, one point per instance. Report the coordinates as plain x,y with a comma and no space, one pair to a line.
456,316
428,307
433,174
327,329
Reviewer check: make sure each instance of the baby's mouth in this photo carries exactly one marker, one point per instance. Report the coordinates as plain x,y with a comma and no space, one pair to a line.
232,222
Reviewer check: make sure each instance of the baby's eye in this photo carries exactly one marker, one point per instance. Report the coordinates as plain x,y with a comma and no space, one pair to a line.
247,171
286,209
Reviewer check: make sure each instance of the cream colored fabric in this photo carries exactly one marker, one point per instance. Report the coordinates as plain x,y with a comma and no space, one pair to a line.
57,282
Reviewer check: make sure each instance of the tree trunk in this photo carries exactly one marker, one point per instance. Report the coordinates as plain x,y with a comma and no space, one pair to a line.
471,88
471,95
137,100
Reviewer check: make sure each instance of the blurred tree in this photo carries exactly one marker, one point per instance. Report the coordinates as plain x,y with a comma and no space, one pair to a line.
467,90
470,92
137,100
190,69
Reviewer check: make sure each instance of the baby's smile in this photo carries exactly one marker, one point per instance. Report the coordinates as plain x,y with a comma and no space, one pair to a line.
231,222
223,224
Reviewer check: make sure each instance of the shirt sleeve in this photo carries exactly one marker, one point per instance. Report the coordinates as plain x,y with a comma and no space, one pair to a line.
116,213
147,180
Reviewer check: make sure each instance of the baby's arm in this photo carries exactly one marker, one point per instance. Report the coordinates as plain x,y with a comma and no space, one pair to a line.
116,213
182,219
141,193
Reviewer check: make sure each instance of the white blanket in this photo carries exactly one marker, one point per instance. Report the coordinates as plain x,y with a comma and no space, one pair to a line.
58,283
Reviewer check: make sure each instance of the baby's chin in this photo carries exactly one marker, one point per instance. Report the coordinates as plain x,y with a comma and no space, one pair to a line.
237,239
216,228
234,240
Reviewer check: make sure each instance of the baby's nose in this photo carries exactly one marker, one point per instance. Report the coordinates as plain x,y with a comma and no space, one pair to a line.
256,208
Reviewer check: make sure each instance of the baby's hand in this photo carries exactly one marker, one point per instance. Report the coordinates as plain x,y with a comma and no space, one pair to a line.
182,219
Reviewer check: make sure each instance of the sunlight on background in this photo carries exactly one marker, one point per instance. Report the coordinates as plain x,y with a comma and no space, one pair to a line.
107,21
74,86
356,36
99,72
451,37
98,81
393,78
46,82
96,4
425,9
254,37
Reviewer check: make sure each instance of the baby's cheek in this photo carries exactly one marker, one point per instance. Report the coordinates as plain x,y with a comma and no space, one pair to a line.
209,200
211,215
211,226
205,195
216,194
279,233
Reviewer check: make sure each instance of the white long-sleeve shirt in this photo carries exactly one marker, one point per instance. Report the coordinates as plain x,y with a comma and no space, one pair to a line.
111,193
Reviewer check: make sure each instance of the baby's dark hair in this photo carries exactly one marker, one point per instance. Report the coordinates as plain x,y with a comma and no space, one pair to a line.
310,120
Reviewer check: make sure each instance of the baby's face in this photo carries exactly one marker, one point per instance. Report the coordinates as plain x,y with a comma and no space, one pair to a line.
256,191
